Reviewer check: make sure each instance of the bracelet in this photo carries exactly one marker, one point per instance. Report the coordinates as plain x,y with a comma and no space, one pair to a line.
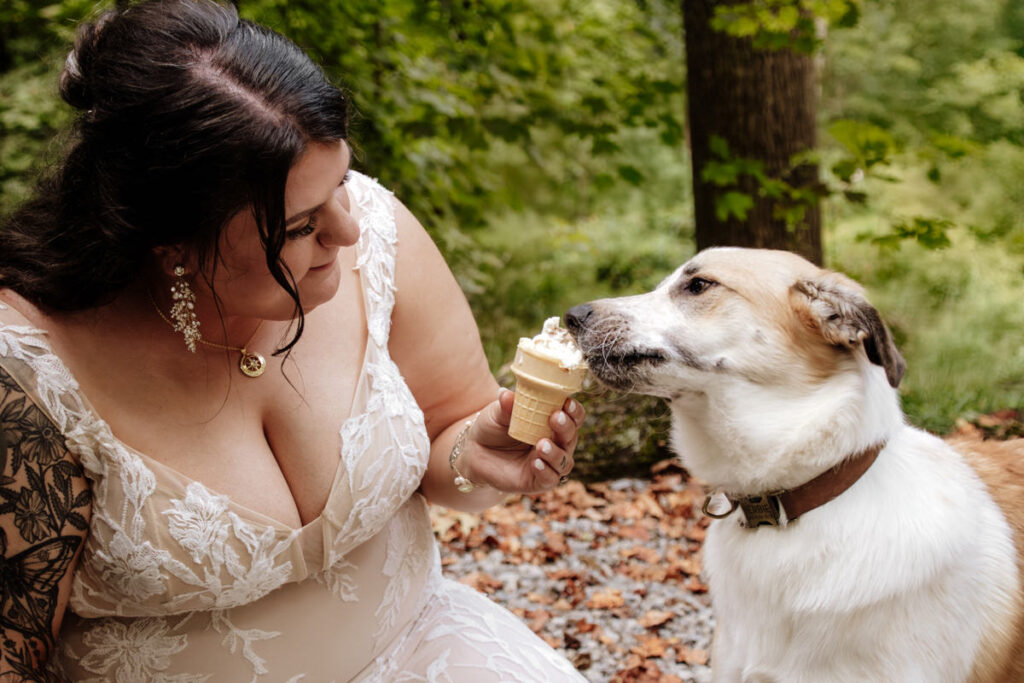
463,484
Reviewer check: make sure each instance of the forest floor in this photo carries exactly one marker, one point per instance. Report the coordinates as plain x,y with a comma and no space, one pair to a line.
610,573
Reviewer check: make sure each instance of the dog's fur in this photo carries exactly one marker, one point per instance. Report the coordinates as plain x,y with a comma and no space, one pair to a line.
775,371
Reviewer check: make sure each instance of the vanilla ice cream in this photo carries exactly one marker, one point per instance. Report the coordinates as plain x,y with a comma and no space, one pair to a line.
548,369
555,342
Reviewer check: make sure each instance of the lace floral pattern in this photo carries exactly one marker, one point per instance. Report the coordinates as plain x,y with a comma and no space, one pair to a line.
139,650
176,585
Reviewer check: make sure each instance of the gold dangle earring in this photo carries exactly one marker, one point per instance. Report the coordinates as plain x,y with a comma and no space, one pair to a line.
183,310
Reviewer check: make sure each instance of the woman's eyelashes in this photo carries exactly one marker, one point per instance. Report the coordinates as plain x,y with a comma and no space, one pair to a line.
310,227
306,230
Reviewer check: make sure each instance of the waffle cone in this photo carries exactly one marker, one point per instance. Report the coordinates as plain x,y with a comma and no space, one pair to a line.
542,385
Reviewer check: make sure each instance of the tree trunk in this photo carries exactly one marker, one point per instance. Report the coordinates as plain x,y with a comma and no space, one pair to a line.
762,103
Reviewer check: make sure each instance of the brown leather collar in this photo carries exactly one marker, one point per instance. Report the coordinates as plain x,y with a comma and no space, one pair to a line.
767,509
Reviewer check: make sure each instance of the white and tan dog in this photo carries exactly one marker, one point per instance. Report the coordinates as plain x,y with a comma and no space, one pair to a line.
864,549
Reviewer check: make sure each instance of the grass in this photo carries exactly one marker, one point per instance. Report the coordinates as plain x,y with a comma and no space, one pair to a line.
957,315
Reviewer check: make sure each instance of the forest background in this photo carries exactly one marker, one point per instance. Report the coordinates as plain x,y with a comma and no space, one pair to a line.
544,144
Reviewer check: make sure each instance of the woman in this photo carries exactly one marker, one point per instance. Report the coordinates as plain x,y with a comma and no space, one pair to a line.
231,371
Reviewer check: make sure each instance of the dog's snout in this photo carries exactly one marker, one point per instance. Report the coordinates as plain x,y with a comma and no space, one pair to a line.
576,317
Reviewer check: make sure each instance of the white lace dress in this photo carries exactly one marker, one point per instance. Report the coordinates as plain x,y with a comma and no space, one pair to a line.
178,583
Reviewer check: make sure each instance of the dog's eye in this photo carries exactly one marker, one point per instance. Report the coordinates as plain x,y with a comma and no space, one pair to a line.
698,285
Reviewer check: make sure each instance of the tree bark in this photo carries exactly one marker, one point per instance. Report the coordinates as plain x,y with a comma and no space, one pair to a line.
763,103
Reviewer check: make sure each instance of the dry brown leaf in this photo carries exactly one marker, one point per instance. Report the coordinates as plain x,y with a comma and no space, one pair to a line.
655,573
606,599
649,646
648,505
655,618
644,553
636,532
695,585
667,465
536,618
540,599
485,583
643,672
443,519
685,655
582,661
584,626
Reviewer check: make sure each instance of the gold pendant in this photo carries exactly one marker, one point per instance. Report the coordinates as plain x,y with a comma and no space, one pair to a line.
252,364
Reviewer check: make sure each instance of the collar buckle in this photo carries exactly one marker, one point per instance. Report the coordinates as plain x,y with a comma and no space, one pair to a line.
763,510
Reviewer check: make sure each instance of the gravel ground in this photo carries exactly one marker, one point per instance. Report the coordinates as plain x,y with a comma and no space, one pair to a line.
608,574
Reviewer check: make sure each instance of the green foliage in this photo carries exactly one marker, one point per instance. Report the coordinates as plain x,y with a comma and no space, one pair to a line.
956,315
728,173
30,28
463,106
866,146
930,233
34,38
938,89
784,24
31,115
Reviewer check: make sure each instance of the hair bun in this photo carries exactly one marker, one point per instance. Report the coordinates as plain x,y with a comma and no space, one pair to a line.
76,82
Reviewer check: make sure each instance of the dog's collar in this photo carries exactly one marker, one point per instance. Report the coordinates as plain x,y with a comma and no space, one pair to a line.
778,507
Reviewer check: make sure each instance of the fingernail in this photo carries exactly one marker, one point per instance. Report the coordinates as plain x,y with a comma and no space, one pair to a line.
572,405
561,419
544,447
538,465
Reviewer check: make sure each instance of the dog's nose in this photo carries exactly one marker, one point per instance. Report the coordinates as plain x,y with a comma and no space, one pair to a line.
576,317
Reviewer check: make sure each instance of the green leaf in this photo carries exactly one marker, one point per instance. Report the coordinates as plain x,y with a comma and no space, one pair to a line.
720,174
869,144
733,203
631,174
603,145
718,146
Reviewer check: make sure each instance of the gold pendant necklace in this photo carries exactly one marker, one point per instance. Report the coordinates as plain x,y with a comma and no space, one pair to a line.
252,364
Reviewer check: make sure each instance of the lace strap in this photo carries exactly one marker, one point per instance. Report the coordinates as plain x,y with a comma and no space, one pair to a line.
378,237
25,354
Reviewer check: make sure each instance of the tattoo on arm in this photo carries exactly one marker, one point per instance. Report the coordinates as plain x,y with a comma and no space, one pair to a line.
44,508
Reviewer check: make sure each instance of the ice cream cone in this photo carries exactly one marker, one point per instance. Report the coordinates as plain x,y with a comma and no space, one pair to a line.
542,385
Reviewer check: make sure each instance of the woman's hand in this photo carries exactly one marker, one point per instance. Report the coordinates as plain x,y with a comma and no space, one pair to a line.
491,457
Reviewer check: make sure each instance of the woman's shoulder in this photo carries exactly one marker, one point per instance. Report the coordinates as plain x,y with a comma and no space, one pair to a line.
16,310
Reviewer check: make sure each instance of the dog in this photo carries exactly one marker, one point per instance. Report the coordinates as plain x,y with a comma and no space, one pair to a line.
849,546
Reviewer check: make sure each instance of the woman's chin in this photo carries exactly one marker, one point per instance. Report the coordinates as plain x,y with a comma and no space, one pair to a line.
319,286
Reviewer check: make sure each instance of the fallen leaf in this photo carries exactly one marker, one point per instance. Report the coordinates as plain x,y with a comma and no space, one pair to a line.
644,553
485,583
606,599
649,646
655,618
582,661
540,599
584,626
685,655
552,641
536,620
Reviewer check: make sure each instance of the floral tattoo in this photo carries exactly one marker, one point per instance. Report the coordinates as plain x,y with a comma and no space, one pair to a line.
44,505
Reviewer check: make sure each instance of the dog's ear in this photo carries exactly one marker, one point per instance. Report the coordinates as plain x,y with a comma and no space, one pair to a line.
836,306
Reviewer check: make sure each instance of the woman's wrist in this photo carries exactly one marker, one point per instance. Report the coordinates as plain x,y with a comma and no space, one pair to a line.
461,481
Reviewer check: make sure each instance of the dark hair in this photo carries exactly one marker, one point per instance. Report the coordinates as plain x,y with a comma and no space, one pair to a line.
188,114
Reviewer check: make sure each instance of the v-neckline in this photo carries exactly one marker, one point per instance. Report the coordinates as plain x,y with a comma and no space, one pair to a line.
172,473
